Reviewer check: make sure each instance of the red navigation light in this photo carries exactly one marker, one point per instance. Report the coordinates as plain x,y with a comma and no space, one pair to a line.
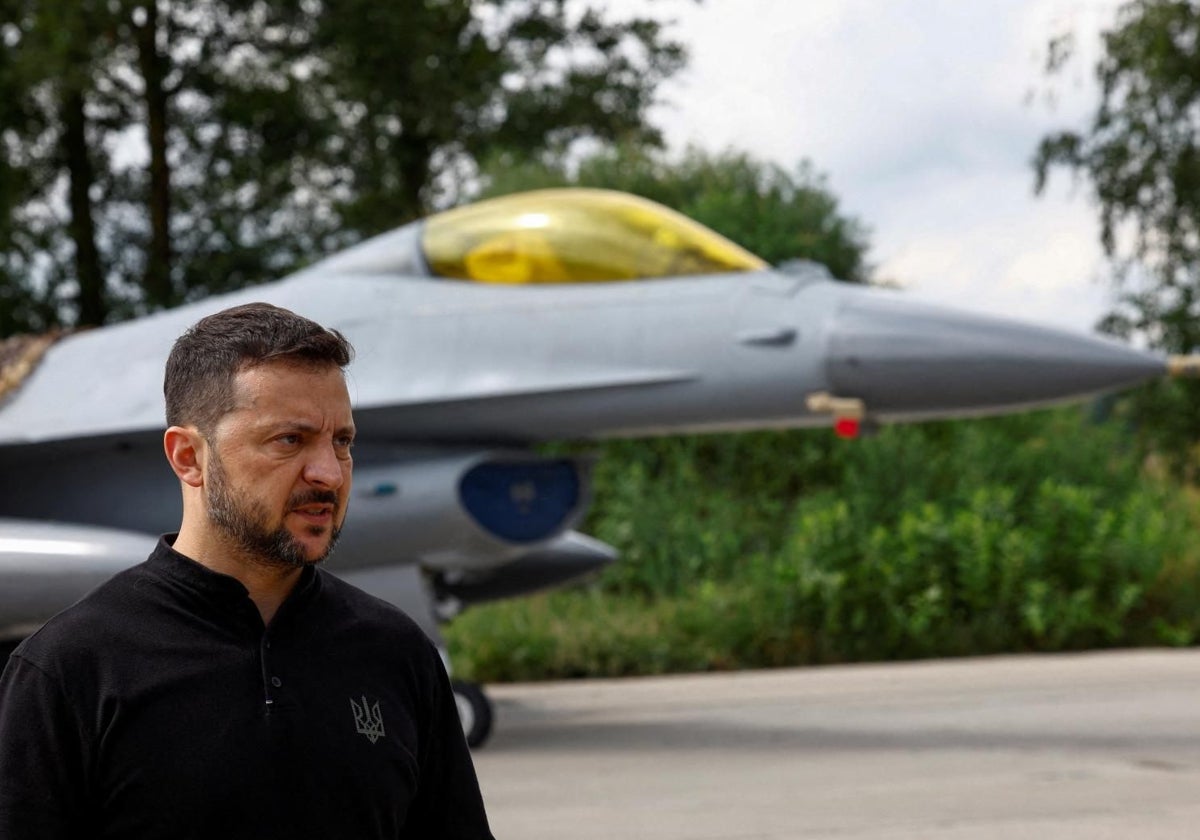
846,427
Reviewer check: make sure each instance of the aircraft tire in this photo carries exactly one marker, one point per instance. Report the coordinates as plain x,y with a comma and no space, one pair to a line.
474,710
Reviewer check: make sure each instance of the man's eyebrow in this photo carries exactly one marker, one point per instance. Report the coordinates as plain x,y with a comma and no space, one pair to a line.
274,426
306,427
290,426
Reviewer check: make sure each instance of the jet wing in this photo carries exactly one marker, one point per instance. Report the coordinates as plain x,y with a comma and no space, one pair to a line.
47,566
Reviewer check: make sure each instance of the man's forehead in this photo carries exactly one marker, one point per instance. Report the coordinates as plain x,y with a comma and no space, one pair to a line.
287,385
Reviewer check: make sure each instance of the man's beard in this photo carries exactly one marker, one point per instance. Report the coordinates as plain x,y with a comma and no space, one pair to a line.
244,521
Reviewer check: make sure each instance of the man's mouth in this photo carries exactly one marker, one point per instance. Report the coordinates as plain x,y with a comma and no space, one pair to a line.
315,514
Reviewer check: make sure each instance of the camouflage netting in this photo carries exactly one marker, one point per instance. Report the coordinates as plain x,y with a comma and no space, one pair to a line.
19,357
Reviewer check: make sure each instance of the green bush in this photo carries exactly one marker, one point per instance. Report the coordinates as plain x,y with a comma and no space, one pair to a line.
985,575
1029,533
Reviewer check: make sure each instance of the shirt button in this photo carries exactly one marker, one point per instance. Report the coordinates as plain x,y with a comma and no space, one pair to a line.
275,681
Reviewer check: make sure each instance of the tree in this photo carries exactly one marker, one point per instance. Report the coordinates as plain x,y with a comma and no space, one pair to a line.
155,151
116,139
47,158
779,215
1140,153
437,87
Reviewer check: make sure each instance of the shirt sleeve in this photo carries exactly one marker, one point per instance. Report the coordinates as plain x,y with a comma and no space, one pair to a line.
41,763
448,803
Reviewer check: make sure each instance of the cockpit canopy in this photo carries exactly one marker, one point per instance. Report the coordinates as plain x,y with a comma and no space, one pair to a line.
575,236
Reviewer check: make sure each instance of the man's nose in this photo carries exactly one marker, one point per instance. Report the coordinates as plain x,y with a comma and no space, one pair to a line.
324,468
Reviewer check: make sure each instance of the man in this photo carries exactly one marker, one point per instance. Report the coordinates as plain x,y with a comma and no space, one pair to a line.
227,688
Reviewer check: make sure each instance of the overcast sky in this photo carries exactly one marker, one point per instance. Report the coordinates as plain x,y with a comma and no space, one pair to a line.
924,114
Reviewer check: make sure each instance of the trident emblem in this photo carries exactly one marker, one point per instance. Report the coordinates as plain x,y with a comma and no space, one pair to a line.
367,719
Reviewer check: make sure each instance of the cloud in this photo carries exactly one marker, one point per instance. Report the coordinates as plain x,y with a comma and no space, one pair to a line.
920,112
1035,261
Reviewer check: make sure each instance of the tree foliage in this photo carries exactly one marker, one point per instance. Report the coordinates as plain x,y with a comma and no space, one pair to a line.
1037,532
778,214
155,151
1140,153
147,141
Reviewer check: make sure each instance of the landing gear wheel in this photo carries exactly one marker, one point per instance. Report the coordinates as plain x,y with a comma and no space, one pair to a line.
474,710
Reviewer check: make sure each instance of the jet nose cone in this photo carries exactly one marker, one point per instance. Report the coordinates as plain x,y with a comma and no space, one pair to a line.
908,360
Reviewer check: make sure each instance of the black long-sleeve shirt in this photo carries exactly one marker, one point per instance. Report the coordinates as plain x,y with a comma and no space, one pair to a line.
160,706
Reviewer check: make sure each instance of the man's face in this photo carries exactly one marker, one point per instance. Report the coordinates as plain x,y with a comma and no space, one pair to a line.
279,468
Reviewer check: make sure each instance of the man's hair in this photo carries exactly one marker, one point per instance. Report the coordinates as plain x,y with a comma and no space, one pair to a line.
200,371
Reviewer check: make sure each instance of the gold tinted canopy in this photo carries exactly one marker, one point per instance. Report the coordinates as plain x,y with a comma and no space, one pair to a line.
575,236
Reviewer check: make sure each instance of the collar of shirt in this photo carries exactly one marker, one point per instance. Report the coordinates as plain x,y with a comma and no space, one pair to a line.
222,594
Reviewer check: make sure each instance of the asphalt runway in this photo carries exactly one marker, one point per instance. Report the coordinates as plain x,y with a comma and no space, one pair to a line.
1095,746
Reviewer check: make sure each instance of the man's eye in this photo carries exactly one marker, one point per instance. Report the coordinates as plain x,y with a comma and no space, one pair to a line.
288,440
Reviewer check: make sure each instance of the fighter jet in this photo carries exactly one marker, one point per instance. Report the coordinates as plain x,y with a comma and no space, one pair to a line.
481,332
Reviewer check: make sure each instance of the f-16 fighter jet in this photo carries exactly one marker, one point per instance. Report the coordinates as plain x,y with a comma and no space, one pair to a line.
480,332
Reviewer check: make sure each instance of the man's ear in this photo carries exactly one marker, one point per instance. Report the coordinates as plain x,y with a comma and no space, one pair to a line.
185,451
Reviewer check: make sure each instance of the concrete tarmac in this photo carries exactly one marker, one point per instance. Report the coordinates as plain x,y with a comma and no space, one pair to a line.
1102,745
